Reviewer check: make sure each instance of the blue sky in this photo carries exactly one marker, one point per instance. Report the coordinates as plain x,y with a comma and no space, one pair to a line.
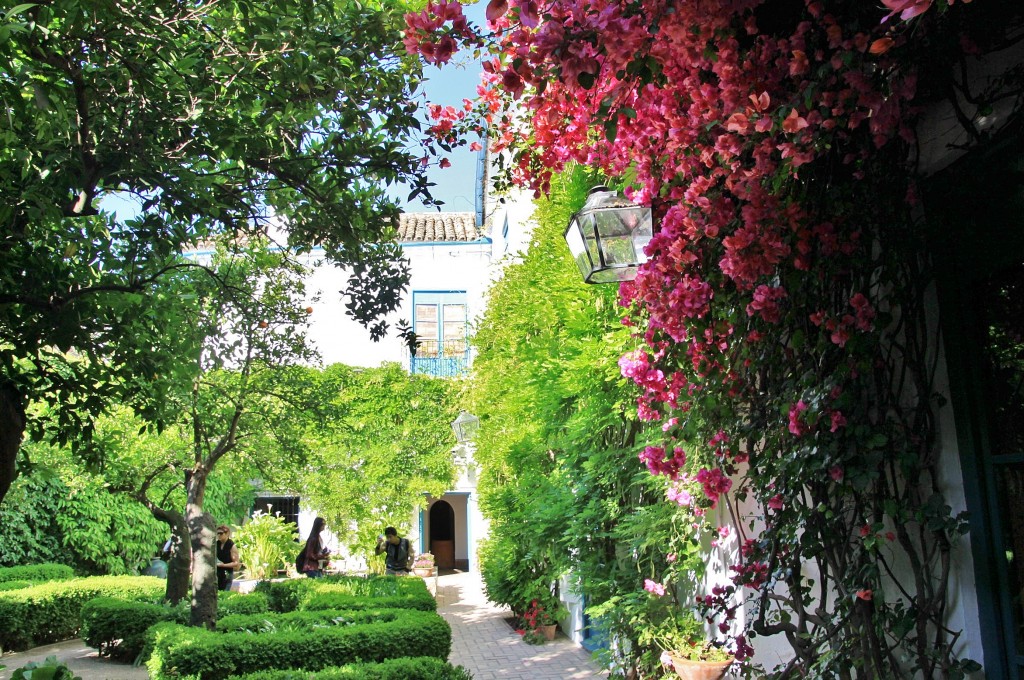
448,86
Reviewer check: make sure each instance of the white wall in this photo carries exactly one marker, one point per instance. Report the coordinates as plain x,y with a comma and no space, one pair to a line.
435,267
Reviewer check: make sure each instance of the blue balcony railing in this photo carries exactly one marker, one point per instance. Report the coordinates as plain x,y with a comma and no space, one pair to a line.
448,359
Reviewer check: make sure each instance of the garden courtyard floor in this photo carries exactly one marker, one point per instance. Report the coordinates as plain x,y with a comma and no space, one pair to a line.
481,641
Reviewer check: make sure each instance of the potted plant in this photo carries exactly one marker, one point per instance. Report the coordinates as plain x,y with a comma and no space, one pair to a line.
423,565
701,661
680,630
689,653
541,616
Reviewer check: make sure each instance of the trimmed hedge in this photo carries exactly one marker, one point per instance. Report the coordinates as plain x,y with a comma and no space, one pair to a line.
302,620
418,668
181,651
15,585
319,601
37,573
230,603
117,628
50,612
347,592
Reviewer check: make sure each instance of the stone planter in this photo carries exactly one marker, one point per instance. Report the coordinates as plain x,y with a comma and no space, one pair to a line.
423,571
690,669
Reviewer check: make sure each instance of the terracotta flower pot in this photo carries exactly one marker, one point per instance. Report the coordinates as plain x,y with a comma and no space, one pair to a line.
423,571
690,669
549,631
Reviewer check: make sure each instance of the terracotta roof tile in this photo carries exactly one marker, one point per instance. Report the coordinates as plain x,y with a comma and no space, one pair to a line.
428,227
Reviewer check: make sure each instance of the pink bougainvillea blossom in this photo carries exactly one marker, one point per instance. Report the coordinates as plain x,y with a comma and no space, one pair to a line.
796,426
654,587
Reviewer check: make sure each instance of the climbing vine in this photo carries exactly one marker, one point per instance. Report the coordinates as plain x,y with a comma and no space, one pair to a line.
786,349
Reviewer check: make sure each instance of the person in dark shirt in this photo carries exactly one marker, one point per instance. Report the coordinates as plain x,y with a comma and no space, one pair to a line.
315,550
398,557
227,558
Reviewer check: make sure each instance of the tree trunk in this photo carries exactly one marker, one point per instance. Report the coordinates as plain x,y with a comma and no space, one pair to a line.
12,429
181,557
202,532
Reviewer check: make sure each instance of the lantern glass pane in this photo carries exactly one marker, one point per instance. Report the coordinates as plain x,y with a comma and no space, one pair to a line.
578,247
624,233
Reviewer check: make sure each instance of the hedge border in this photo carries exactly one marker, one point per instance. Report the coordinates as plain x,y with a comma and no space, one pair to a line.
407,668
181,651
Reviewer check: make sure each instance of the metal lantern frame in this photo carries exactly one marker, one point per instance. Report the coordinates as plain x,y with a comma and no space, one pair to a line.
608,235
465,426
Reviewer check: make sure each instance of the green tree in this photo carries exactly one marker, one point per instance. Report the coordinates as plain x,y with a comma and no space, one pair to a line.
248,339
213,117
560,482
387,444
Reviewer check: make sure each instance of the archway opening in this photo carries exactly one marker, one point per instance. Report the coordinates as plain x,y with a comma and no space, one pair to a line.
442,534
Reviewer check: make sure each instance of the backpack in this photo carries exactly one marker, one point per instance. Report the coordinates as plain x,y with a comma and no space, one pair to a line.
300,560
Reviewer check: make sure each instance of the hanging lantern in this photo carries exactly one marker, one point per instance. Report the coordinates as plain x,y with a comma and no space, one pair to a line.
608,235
465,426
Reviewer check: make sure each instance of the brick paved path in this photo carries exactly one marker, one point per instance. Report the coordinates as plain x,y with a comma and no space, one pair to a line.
485,644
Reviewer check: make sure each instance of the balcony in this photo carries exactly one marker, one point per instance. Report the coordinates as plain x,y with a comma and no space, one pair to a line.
447,359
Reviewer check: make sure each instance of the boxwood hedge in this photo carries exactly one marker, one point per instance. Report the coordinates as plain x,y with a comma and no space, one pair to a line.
37,573
417,668
15,585
303,620
347,592
49,612
182,651
117,628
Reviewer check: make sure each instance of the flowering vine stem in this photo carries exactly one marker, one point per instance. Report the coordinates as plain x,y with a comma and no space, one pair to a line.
786,349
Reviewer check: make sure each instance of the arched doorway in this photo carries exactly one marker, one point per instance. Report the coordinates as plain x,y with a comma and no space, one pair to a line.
442,534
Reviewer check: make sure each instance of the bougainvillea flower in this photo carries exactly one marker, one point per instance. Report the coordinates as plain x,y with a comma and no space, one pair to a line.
881,46
865,594
654,587
496,9
908,9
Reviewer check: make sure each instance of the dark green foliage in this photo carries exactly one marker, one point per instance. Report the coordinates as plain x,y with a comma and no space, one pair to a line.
28,529
73,518
418,668
178,650
36,573
50,612
117,628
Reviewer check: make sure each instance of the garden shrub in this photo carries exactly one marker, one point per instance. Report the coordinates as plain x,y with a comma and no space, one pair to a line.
326,599
117,628
266,543
303,620
49,669
37,573
15,585
49,612
415,668
283,595
182,651
387,591
229,602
